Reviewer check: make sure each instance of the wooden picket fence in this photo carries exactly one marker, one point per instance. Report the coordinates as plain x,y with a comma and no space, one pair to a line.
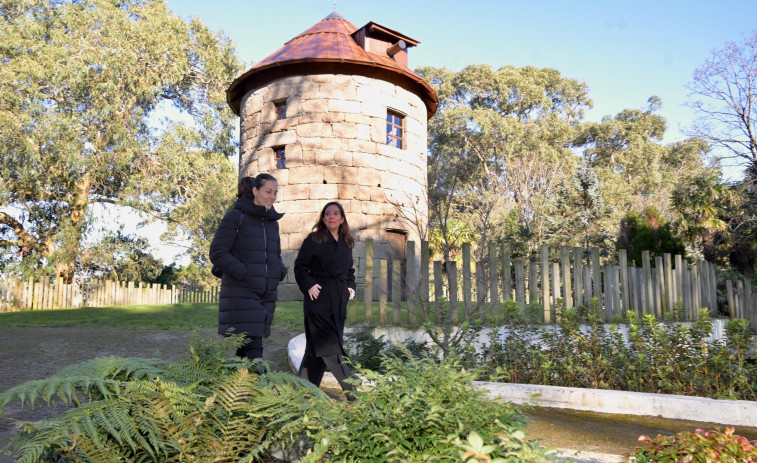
52,293
660,286
657,287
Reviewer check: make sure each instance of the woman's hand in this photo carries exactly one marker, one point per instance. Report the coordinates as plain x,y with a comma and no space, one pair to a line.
314,291
352,292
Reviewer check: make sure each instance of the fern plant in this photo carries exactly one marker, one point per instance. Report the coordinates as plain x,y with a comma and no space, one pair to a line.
203,407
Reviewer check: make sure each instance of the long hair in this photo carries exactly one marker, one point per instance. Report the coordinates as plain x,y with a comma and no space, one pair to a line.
245,185
322,232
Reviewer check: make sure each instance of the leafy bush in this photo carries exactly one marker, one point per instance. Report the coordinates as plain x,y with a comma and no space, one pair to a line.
366,350
422,410
699,446
663,357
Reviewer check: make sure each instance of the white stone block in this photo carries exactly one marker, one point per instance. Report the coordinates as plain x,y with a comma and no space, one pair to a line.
327,191
344,130
315,129
331,143
345,106
343,158
317,106
339,174
324,157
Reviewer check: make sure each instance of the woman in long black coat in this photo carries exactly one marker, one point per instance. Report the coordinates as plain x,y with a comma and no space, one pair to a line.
326,276
247,249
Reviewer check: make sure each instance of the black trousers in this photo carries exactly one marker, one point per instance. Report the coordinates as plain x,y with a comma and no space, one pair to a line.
312,368
252,348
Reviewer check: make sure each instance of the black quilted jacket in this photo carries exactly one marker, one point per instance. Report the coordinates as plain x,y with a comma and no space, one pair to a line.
250,259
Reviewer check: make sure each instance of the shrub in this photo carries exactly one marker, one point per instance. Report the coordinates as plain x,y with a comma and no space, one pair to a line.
699,446
664,357
422,410
366,351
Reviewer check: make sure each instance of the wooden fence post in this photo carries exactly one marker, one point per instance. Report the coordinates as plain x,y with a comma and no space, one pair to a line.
578,273
660,299
493,280
383,290
467,306
545,284
625,290
368,287
411,281
556,288
607,309
587,285
647,283
423,289
713,289
615,290
567,290
597,277
453,303
669,291
679,267
480,288
507,274
520,286
696,294
396,292
438,290
533,282
748,300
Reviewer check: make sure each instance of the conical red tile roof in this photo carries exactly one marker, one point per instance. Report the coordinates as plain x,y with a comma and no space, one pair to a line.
329,47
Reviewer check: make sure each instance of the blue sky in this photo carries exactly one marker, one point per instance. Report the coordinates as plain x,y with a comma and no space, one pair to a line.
626,51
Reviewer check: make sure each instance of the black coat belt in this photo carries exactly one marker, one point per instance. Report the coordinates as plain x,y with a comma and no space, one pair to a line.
337,286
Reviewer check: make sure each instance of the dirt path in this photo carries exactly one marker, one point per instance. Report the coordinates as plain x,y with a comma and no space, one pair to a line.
33,353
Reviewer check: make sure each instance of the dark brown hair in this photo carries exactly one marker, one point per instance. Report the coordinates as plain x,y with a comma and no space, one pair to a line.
322,232
245,185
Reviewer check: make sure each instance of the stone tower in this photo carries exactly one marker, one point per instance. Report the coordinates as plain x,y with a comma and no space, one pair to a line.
337,114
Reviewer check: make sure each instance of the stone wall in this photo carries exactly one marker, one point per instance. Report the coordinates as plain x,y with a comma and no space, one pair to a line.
335,143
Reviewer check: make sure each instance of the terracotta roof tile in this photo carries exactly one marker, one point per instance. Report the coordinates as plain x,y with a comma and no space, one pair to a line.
319,49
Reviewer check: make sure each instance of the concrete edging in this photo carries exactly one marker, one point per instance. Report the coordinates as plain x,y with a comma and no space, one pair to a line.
722,412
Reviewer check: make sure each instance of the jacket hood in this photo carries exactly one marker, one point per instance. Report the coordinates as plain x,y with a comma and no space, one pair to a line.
247,206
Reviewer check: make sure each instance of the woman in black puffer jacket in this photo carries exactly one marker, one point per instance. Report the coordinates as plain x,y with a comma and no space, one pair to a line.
247,249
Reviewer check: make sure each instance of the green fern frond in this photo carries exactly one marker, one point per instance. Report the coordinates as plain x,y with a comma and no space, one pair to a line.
192,409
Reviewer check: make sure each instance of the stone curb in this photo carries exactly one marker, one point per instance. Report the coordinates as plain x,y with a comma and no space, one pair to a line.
722,412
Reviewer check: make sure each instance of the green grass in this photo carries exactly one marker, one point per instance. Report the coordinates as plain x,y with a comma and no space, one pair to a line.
193,316
141,317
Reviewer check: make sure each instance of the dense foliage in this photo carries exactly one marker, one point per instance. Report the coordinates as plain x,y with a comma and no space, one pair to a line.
648,355
423,410
699,446
209,407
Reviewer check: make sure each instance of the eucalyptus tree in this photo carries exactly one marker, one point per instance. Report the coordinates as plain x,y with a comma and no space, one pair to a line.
636,169
86,87
501,143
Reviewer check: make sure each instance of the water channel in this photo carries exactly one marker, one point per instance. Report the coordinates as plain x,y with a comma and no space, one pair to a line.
605,433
